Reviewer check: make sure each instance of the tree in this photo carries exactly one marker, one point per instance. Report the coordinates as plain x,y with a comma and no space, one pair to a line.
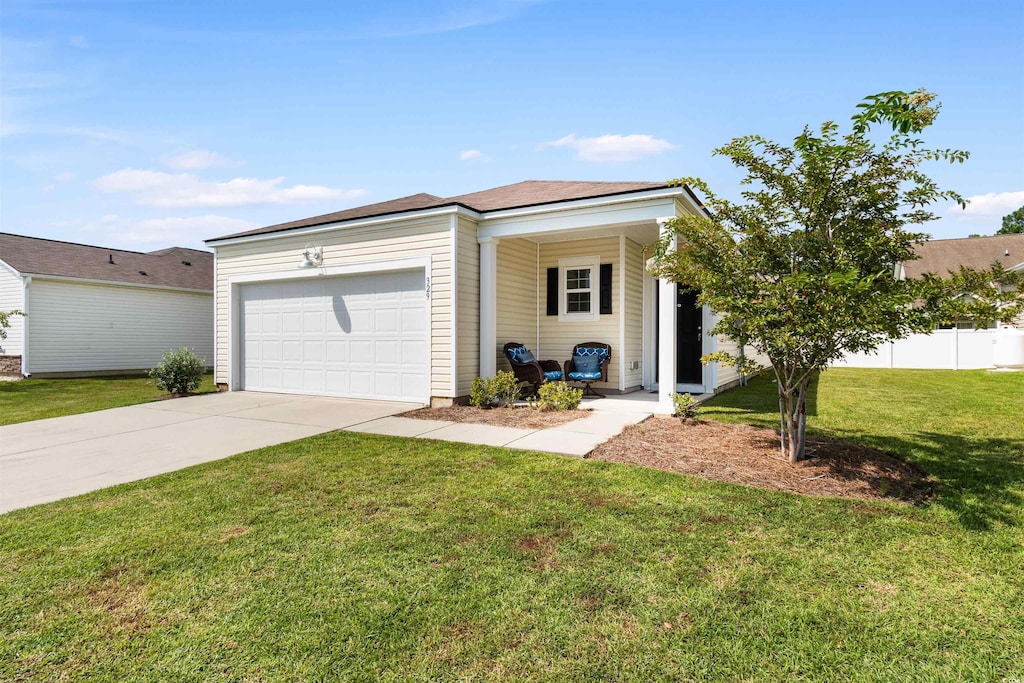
5,321
1013,223
803,270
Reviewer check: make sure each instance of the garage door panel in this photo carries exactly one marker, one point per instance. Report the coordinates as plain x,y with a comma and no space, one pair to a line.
363,336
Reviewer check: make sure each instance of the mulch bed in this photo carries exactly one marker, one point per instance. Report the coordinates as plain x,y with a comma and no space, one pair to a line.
522,417
742,454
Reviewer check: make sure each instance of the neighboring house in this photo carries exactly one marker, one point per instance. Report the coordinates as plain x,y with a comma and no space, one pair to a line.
952,347
91,310
410,290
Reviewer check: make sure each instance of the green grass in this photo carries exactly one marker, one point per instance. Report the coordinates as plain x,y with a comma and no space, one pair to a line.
35,399
354,557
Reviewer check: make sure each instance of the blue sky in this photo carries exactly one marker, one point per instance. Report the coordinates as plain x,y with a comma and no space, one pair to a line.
140,125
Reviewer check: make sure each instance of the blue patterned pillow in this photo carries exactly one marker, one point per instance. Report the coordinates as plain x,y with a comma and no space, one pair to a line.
592,351
521,354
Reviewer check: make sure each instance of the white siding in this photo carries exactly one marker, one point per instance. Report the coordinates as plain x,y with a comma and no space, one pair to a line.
350,246
468,320
12,290
634,312
76,327
517,297
557,338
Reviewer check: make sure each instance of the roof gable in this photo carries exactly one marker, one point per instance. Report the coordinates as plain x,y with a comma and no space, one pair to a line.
174,267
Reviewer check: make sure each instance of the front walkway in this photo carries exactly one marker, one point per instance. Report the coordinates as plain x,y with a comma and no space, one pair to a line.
609,416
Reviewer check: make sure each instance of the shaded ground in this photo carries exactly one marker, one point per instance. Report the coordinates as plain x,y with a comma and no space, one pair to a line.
742,454
522,417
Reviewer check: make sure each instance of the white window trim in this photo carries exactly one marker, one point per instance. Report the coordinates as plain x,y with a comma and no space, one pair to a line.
574,263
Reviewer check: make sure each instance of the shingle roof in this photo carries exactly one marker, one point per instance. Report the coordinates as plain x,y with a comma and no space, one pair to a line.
945,256
517,195
163,268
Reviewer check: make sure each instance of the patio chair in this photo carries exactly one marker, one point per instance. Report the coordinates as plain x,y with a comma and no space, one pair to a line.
589,364
530,370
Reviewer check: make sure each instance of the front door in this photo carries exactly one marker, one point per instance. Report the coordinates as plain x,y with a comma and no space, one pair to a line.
689,336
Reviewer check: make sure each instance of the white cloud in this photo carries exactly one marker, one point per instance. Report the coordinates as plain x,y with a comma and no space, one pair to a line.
49,188
79,42
993,206
64,177
156,188
470,154
605,148
155,233
198,159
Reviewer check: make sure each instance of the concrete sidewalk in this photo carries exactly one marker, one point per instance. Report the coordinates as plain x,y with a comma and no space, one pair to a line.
47,460
576,438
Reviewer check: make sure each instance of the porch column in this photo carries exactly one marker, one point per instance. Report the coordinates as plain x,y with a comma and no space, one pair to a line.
488,305
666,339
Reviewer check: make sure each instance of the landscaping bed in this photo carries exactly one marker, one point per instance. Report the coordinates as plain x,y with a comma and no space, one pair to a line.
522,417
742,454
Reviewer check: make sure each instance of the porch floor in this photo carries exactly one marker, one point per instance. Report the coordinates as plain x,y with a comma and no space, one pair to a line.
636,402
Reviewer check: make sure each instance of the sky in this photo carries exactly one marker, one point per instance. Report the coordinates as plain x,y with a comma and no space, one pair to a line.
139,124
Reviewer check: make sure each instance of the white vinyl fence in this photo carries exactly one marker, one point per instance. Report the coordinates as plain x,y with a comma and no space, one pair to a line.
953,349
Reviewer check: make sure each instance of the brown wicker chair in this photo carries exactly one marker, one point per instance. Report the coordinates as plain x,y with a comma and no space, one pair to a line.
530,370
604,351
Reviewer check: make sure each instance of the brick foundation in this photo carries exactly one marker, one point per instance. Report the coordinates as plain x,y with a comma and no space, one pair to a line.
10,364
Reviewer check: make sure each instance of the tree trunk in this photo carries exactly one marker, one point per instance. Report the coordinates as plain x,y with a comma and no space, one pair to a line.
793,420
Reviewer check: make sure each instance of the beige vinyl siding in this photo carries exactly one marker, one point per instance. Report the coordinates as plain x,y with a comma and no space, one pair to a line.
516,296
350,246
12,294
558,338
468,299
727,374
634,314
77,327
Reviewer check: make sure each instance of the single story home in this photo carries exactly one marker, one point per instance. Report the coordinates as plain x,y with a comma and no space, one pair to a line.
959,346
92,310
411,299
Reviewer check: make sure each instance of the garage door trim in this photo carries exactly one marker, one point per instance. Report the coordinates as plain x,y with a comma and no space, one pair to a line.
364,268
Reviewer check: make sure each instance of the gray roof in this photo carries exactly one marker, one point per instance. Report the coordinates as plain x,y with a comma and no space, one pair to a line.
515,196
942,257
173,267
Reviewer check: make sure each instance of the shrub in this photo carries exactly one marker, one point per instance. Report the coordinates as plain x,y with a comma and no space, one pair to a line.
180,371
502,387
557,396
505,387
687,407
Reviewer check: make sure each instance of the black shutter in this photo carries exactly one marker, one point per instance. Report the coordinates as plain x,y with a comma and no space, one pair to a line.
552,291
606,288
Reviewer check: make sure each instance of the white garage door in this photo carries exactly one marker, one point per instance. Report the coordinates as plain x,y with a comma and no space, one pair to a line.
362,336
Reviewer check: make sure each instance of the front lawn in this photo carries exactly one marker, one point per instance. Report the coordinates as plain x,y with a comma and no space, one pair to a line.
355,557
35,399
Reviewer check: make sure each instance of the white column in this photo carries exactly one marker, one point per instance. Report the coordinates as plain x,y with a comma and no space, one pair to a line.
666,340
488,305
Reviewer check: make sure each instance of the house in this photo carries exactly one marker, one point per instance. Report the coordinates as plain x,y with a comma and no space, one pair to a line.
959,346
411,299
92,310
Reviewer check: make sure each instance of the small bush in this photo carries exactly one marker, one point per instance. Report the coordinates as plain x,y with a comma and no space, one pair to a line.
481,394
180,371
502,387
687,407
557,396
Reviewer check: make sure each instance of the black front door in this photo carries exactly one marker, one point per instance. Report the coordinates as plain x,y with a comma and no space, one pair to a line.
689,336
689,339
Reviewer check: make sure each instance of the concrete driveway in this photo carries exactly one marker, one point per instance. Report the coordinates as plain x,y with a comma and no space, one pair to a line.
52,459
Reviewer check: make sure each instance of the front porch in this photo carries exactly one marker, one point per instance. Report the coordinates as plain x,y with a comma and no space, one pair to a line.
549,284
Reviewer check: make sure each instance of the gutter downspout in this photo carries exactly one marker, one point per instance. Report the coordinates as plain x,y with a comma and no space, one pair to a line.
25,326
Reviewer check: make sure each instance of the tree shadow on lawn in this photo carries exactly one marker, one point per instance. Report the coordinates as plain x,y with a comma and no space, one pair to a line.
979,479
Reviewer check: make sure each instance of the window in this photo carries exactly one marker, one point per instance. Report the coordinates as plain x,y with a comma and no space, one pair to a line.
578,284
